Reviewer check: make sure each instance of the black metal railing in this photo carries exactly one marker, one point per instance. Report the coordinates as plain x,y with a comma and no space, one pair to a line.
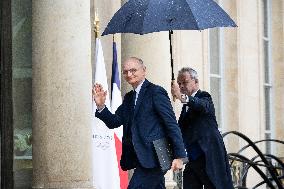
273,172
268,166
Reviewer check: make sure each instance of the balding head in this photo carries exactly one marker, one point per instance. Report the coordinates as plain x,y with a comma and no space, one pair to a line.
134,71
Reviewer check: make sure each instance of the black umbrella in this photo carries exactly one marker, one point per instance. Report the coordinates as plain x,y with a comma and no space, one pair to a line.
147,16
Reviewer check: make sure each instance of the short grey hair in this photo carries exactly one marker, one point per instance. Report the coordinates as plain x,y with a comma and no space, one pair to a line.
193,74
139,60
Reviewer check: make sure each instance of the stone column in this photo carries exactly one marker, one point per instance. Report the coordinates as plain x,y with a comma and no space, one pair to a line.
154,50
231,72
105,14
250,80
61,94
277,54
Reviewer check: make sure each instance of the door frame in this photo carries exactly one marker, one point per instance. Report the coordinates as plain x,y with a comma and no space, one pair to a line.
6,109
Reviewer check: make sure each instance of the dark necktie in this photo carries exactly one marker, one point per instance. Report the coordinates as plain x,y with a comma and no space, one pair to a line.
183,111
131,113
134,98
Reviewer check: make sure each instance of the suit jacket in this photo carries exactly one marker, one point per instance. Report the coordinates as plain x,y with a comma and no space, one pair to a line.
152,119
198,125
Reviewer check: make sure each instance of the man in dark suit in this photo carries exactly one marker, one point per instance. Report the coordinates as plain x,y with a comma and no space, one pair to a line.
146,115
208,163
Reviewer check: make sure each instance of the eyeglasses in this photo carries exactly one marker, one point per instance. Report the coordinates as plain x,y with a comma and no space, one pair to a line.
132,71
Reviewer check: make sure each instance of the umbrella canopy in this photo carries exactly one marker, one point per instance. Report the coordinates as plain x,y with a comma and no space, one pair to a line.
147,16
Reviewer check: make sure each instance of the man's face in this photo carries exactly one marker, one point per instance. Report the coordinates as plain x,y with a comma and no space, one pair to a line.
133,72
186,84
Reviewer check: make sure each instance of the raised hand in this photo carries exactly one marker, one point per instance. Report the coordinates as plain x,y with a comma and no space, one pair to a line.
175,90
99,95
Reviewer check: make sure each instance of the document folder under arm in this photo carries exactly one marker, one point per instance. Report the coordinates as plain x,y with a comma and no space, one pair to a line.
164,153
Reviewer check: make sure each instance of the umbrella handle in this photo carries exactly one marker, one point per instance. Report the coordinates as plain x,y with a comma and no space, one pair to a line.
171,53
172,61
174,97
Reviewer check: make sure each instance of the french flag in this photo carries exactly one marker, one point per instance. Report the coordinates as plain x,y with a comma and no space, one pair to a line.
116,101
105,165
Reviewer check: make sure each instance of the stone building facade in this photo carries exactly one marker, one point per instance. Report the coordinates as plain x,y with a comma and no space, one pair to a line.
47,53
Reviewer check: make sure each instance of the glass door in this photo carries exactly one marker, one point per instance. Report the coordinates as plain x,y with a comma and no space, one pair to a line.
15,93
22,92
6,111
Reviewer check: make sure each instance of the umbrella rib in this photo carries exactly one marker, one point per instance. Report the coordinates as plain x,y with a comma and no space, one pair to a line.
196,23
145,13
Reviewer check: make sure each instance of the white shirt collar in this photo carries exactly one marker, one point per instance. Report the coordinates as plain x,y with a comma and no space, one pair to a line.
193,94
138,88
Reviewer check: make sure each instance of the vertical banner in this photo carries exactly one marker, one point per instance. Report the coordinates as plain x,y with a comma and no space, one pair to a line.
116,101
105,166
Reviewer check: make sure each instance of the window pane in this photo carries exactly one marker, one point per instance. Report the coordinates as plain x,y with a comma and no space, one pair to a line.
268,144
265,18
215,86
214,51
267,108
266,61
22,88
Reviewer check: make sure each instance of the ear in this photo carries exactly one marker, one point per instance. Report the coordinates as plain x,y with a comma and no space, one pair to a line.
196,81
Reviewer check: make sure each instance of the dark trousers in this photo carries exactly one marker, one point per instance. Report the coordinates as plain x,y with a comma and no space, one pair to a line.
195,176
144,178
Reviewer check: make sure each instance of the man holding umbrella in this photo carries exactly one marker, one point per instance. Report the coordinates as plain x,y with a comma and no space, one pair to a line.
208,163
146,115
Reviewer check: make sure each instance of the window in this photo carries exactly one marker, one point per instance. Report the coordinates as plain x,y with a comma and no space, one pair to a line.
6,119
267,72
215,60
22,91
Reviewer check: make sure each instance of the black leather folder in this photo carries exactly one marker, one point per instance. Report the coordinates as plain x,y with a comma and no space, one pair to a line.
165,153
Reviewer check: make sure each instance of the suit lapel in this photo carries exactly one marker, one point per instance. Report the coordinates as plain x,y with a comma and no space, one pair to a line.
141,96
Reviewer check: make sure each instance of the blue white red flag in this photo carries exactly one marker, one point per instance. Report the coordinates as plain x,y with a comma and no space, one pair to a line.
116,101
105,165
